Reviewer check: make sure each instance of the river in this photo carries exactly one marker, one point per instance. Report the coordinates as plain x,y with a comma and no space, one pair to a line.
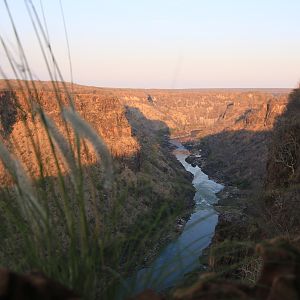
182,255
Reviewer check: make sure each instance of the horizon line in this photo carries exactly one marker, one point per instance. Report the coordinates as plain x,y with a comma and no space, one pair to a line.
152,88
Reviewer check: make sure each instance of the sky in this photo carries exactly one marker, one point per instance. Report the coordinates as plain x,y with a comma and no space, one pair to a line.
164,43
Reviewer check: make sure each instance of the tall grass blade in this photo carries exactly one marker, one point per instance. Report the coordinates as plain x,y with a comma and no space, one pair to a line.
24,185
86,131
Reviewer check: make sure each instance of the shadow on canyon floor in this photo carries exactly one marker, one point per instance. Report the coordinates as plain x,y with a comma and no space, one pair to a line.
234,157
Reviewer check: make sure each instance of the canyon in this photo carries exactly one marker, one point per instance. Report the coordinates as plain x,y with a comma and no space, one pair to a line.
234,135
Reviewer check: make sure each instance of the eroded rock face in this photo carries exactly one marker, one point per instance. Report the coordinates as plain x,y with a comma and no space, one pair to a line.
126,119
105,113
146,175
201,112
284,150
282,193
231,127
8,112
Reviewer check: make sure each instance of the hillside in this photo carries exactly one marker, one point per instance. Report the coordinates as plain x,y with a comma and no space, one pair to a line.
148,180
192,113
231,134
267,207
282,183
230,127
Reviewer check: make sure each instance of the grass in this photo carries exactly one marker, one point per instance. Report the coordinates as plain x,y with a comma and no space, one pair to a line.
72,226
75,235
84,227
47,225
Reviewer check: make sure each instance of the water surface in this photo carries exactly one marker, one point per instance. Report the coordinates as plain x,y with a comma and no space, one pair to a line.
182,255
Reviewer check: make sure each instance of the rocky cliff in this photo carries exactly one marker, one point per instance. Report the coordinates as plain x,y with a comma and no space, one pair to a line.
202,112
228,132
250,142
283,167
261,199
149,181
105,114
281,196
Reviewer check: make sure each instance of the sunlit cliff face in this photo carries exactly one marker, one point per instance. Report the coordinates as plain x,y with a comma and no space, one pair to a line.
184,113
25,135
209,111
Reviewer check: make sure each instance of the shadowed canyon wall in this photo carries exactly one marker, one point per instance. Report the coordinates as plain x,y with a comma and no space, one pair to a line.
231,135
197,115
148,179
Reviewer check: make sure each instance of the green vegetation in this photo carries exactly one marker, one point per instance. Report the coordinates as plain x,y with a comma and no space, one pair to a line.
89,221
76,227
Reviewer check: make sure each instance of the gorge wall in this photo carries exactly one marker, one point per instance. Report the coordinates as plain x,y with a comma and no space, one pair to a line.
228,130
243,138
228,125
281,195
148,180
222,122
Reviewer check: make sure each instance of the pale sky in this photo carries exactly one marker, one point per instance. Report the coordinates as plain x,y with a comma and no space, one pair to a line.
166,43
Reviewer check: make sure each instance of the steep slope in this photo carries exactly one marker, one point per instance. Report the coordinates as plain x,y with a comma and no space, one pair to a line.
236,153
282,189
284,152
262,196
227,130
105,114
193,112
149,181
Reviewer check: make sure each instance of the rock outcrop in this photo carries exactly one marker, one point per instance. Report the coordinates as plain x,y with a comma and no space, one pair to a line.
196,113
231,127
281,196
148,180
283,167
105,114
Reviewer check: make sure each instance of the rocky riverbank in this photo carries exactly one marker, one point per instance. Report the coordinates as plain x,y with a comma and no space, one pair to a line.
172,263
251,212
237,218
227,196
151,195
